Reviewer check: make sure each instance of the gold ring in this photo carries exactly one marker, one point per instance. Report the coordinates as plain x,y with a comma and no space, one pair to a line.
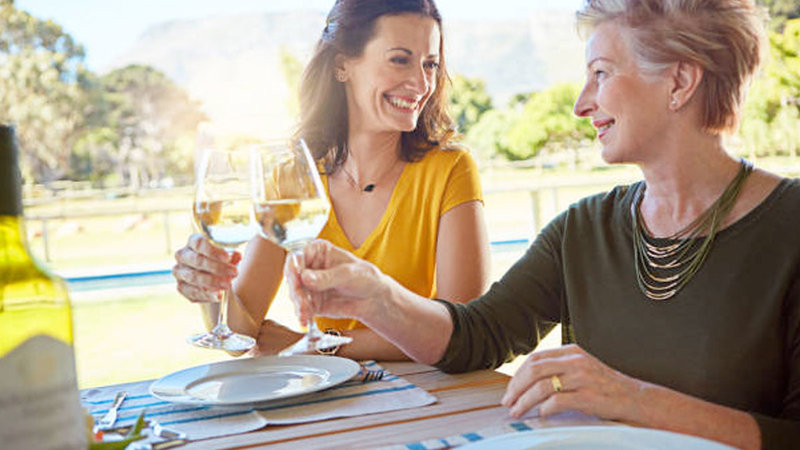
556,382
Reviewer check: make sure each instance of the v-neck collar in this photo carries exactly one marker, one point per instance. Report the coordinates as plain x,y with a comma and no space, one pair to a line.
376,232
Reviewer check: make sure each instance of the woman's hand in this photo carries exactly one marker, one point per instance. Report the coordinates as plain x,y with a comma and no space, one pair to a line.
203,270
586,385
274,337
331,282
334,283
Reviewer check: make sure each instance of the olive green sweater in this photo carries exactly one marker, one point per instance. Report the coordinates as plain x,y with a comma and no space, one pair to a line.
731,336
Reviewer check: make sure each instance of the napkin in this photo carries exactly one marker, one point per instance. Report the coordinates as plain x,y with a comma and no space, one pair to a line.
351,398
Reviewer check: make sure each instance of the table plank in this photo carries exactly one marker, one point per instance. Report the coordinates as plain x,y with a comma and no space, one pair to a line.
402,433
469,393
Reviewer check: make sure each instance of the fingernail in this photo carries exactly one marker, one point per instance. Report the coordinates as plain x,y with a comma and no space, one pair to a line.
312,276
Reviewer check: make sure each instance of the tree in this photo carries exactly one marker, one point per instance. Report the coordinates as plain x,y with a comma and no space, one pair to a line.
43,90
772,112
489,137
153,122
781,10
547,121
468,102
292,70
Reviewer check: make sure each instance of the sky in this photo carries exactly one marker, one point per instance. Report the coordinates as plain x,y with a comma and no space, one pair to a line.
107,28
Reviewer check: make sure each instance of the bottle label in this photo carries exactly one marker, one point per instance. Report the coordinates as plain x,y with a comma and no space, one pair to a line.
39,402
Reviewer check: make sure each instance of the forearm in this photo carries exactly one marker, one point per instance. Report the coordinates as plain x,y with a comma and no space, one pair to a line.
240,318
369,345
419,327
673,411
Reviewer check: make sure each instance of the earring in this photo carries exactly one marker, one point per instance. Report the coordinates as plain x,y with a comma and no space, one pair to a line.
673,103
341,76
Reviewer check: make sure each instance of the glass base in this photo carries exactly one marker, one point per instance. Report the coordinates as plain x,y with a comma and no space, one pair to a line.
233,343
323,341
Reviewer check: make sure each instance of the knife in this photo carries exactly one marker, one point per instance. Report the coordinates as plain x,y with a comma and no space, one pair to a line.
107,421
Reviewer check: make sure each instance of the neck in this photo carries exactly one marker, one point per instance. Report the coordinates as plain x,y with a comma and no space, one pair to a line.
370,155
685,182
688,174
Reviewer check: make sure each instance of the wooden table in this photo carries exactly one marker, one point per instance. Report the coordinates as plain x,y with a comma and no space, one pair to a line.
466,403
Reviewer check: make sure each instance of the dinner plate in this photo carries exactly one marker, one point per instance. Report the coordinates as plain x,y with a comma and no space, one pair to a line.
254,380
596,438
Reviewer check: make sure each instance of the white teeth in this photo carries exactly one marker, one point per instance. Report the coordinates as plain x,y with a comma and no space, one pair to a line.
400,103
606,126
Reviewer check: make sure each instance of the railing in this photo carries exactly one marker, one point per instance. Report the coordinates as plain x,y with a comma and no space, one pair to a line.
539,194
44,220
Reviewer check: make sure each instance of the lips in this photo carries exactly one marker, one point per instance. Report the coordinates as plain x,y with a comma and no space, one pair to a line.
603,126
404,103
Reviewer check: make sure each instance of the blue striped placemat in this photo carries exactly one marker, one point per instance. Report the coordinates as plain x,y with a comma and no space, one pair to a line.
351,398
566,418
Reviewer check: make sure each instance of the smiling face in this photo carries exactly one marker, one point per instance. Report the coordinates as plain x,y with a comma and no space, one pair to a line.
628,108
390,83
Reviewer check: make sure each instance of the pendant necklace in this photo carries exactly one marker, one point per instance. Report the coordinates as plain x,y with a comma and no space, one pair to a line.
368,188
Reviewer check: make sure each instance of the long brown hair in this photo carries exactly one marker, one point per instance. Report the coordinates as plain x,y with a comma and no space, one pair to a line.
323,105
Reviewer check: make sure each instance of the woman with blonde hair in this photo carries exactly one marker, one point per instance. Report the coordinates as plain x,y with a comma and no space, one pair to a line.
679,296
404,195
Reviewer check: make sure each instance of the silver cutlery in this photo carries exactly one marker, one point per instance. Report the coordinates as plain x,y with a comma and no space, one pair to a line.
368,375
165,433
172,438
108,420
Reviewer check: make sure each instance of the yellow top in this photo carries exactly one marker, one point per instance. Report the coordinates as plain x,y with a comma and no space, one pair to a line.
403,244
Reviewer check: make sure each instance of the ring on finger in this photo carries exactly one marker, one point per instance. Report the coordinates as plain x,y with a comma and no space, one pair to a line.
556,382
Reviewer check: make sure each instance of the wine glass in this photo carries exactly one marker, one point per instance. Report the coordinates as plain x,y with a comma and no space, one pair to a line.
223,212
291,208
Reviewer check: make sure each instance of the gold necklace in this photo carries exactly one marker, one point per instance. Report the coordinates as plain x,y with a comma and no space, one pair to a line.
371,186
663,270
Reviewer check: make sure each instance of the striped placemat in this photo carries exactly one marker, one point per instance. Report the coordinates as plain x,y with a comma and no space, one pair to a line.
563,419
351,398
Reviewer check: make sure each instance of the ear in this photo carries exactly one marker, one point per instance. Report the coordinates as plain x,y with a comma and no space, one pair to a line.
686,78
340,67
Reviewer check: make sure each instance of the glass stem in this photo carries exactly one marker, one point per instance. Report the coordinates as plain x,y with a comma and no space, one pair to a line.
221,329
313,332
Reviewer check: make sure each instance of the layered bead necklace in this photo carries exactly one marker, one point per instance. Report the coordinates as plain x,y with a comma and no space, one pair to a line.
663,270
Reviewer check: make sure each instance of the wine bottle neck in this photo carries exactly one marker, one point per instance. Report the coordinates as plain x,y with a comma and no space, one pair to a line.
10,178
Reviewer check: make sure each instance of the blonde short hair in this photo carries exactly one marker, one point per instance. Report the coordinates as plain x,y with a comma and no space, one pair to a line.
725,37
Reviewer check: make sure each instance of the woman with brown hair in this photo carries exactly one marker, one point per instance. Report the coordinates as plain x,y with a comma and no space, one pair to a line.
404,196
679,296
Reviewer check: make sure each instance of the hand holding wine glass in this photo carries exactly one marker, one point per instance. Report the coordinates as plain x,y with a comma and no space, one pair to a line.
223,213
291,208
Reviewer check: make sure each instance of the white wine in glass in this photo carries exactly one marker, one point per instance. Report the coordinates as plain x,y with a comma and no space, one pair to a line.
291,208
223,212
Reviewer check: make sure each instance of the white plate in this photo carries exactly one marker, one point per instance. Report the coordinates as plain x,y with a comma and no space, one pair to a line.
596,438
254,380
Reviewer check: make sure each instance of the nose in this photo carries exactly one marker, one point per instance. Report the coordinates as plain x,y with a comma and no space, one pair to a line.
420,79
585,104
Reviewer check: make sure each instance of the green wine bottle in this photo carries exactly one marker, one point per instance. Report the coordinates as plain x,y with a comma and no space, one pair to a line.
39,403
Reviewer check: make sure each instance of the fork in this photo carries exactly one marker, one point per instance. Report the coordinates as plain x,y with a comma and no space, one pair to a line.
372,375
108,420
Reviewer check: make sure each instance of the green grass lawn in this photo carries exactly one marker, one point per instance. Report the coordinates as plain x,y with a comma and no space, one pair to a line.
137,334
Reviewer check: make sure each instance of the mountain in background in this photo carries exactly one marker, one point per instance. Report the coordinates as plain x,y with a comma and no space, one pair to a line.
232,63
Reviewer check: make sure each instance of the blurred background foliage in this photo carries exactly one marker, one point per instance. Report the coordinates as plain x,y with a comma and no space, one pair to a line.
135,127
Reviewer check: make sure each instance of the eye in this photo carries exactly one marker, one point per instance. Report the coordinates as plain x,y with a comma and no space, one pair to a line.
400,60
598,74
432,65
